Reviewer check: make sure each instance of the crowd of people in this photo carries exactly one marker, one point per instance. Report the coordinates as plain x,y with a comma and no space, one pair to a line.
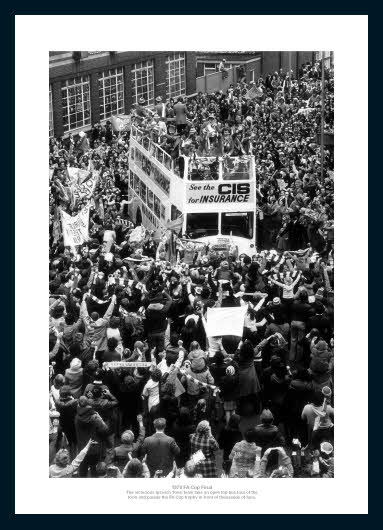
137,387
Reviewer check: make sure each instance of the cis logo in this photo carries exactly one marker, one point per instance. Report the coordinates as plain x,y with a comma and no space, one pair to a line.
235,189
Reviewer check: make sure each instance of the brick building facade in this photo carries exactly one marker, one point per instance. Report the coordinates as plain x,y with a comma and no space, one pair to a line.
88,87
255,63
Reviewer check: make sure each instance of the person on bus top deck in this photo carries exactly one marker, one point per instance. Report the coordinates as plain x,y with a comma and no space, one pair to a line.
160,108
140,108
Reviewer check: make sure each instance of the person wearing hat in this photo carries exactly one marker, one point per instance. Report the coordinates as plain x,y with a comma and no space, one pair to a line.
140,108
277,319
160,108
73,377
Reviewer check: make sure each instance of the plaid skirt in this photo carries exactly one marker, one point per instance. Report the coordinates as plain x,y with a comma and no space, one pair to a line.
207,468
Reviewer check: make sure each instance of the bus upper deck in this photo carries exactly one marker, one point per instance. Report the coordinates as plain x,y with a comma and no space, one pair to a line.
216,195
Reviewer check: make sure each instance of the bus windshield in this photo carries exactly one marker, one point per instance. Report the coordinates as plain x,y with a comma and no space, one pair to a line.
202,224
238,224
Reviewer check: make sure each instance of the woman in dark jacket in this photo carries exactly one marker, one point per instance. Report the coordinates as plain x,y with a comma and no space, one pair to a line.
276,384
189,333
181,431
89,425
249,386
229,436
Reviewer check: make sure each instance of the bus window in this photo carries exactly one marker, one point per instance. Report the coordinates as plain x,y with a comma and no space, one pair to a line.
240,224
174,213
150,199
203,168
202,224
136,184
143,191
236,169
156,206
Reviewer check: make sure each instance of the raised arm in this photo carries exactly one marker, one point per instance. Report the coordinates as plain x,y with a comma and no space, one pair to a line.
109,311
84,315
280,284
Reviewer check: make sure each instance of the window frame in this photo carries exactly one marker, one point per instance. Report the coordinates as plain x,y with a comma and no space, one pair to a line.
202,217
75,83
249,219
136,75
176,74
119,104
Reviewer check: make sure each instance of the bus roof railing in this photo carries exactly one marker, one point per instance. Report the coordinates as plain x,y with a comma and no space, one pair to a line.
228,166
155,150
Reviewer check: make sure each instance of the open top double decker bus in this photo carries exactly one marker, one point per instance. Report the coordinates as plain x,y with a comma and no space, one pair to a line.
217,196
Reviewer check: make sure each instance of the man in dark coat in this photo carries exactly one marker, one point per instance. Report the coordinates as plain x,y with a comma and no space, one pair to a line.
67,407
160,449
180,110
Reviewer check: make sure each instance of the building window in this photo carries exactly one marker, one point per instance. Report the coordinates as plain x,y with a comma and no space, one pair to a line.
143,82
328,58
75,94
111,92
210,68
50,113
175,74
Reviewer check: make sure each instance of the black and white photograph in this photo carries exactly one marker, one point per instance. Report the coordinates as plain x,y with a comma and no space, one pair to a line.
181,235
191,265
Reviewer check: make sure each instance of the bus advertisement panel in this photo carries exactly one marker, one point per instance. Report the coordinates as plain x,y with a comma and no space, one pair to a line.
220,196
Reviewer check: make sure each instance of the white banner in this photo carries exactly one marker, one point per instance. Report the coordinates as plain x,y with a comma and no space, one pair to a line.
126,364
75,229
225,321
77,175
85,189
